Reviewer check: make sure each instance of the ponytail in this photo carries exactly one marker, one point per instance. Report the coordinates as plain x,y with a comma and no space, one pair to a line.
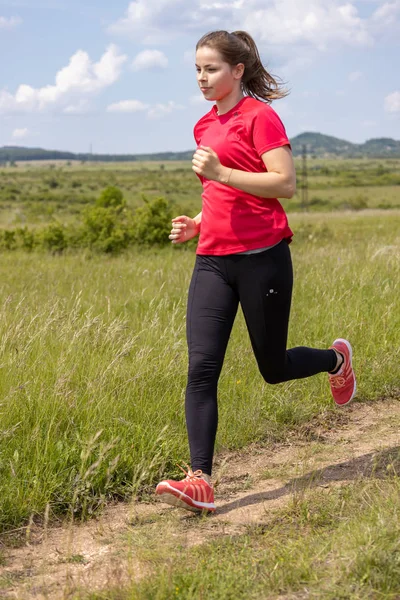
256,81
239,47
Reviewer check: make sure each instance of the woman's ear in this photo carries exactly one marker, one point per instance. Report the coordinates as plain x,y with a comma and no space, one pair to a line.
238,71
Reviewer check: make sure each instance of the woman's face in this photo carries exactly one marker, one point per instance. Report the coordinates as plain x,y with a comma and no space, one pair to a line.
216,78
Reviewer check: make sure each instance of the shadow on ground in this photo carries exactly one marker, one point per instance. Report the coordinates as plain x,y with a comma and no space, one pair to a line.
376,465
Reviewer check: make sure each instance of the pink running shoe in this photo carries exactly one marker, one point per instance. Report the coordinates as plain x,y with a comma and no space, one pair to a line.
192,493
343,383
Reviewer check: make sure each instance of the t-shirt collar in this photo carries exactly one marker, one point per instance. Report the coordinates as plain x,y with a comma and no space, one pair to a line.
232,110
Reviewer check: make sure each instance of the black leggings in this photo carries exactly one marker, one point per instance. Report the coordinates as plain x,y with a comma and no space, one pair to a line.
262,283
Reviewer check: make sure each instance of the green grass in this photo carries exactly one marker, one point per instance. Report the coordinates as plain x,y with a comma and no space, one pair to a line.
37,193
362,197
322,543
342,544
93,369
93,360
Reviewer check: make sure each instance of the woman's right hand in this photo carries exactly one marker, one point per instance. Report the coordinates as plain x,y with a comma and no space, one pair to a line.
183,229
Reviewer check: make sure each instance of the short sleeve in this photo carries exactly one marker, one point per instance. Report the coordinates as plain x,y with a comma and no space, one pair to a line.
268,131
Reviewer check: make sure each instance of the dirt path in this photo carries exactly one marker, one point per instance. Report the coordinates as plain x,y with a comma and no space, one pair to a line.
108,552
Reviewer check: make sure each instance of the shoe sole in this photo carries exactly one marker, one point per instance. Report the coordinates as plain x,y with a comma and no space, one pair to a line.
175,498
350,349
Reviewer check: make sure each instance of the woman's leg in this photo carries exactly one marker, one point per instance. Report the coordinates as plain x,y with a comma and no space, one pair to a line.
212,307
265,283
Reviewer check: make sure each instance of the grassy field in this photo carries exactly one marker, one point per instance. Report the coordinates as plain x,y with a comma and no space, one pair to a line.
93,360
93,368
35,194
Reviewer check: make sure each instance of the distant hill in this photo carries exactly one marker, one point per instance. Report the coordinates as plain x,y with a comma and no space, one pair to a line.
326,145
317,144
20,153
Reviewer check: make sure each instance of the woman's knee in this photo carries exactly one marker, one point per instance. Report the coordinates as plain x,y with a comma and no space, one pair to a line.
203,370
272,374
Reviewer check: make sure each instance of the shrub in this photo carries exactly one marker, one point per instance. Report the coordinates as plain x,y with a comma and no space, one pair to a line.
26,238
7,239
317,201
108,226
152,222
111,197
105,229
53,237
357,202
53,183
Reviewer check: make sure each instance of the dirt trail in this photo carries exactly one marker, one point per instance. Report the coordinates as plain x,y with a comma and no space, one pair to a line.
360,441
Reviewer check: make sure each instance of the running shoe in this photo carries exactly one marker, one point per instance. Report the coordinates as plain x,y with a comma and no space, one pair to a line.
343,383
192,493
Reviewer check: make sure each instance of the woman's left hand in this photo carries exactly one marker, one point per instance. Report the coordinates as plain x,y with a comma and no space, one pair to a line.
206,163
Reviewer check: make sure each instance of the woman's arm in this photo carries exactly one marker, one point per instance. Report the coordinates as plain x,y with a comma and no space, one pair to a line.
197,219
278,182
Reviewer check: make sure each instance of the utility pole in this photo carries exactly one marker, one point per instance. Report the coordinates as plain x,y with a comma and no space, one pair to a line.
304,180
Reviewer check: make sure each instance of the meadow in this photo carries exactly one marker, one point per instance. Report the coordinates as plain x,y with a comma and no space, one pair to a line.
37,194
93,355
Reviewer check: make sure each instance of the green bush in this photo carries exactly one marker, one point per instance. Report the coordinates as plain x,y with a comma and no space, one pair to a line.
104,229
53,237
8,240
26,238
107,226
111,197
357,202
152,222
316,201
53,183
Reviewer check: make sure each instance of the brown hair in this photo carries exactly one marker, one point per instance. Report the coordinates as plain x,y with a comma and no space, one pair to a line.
239,47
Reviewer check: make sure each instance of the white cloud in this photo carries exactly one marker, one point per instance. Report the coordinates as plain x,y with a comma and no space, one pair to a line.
161,110
73,83
287,23
392,102
156,21
355,76
387,13
9,22
80,108
155,111
19,134
385,21
127,106
150,59
318,23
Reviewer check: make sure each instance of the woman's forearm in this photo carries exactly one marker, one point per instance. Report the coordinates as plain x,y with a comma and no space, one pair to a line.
197,220
265,185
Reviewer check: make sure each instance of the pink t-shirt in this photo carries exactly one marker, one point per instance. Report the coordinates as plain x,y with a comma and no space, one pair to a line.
234,221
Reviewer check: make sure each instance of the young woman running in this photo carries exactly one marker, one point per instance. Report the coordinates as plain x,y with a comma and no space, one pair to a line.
244,162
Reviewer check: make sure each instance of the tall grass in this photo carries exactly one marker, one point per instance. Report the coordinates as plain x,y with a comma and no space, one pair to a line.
324,546
93,360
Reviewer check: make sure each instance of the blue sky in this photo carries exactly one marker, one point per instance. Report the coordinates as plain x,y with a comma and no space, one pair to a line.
119,76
